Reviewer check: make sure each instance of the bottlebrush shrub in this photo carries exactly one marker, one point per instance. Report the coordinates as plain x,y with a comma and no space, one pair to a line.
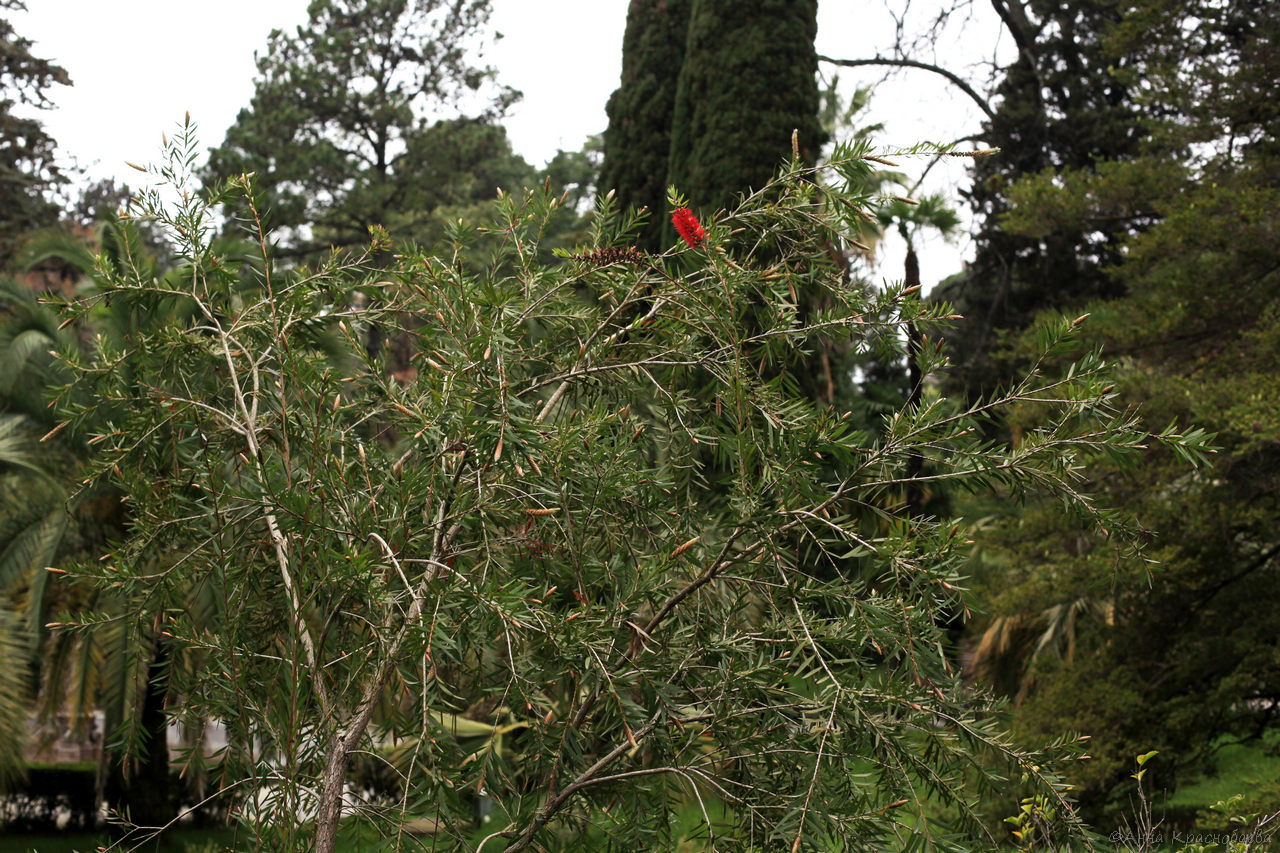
501,570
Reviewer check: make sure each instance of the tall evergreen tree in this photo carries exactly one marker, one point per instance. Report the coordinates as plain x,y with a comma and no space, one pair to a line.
337,132
638,140
711,93
749,79
1182,663
1062,105
28,170
748,83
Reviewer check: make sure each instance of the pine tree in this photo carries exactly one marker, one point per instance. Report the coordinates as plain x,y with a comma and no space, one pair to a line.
1062,105
638,141
28,169
337,132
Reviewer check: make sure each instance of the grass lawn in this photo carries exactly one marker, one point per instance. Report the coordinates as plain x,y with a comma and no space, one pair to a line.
1241,768
178,841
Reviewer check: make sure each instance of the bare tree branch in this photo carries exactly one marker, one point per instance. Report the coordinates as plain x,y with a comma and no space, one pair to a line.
955,79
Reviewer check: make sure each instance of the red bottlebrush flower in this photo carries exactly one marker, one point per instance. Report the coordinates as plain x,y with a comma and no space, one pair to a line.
688,226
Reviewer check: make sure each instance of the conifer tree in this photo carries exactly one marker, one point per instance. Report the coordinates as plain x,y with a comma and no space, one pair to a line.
638,140
748,81
28,169
338,132
711,93
1183,663
1062,105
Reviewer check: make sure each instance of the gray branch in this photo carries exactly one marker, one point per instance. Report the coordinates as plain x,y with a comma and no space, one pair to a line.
924,66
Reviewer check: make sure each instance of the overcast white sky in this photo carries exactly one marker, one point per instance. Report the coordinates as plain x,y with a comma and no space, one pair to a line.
139,65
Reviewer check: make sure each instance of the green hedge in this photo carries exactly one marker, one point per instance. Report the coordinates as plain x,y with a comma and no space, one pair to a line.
50,792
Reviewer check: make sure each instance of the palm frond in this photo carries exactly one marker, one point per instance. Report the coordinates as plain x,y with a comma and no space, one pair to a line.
56,244
19,447
22,310
74,664
13,695
128,657
25,558
30,349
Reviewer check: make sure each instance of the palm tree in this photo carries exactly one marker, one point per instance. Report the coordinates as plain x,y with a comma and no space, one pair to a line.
1009,650
33,516
121,664
13,695
55,522
33,521
911,218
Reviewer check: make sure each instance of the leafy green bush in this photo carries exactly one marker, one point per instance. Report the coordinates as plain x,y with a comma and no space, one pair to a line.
582,503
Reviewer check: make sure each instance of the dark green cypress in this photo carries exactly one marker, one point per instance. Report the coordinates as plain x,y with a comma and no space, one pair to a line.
638,141
722,125
749,79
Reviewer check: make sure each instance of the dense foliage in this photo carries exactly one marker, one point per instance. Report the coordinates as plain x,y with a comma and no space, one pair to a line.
28,167
649,543
710,95
1062,105
49,518
342,131
637,143
1177,655
749,80
517,534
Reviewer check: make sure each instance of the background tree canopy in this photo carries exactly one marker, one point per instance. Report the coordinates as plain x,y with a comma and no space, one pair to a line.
446,489
520,532
1186,196
28,170
345,123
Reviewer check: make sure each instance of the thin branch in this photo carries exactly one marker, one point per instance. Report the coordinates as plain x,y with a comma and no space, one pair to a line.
583,780
955,79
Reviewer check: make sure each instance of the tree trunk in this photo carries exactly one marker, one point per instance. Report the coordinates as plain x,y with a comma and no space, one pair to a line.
329,809
143,787
915,497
